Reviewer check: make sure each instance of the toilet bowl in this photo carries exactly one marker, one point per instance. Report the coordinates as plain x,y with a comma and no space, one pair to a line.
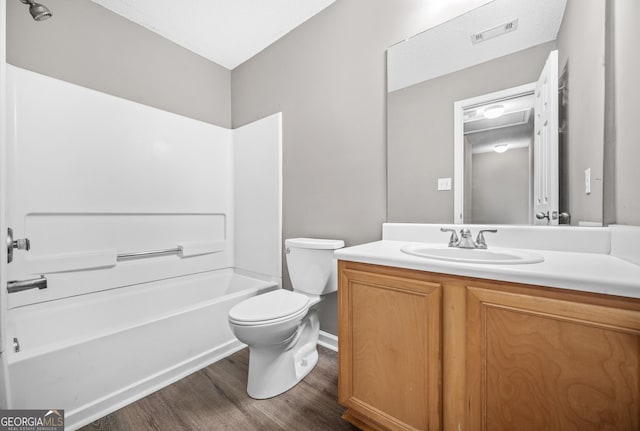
281,327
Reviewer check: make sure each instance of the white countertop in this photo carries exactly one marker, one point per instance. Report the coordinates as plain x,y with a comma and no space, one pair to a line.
588,272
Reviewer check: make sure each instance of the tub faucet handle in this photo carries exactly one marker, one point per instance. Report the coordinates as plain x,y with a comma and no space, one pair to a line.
480,241
453,239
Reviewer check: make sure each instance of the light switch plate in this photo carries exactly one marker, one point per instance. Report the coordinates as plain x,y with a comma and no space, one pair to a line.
444,184
587,181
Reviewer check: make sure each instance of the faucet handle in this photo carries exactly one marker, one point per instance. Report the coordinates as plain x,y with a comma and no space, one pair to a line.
453,240
480,241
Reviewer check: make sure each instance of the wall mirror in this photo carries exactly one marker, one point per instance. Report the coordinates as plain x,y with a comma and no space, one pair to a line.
481,131
494,138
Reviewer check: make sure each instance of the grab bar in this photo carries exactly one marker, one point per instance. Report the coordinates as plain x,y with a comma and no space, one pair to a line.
133,255
20,285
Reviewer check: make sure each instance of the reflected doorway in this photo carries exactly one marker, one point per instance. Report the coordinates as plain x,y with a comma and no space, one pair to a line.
498,160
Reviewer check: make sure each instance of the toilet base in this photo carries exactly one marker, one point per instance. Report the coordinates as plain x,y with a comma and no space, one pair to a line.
276,369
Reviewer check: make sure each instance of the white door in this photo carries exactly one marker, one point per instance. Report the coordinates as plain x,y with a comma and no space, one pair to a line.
545,151
4,343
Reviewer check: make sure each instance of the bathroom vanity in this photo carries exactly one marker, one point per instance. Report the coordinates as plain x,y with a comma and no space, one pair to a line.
431,345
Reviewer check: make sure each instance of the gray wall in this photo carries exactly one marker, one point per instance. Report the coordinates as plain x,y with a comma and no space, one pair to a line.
420,121
88,45
627,97
328,78
581,43
501,187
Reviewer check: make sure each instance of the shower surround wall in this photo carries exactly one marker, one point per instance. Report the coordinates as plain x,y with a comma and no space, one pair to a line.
101,176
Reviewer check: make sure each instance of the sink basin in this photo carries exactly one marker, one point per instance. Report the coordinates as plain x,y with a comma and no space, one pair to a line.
493,255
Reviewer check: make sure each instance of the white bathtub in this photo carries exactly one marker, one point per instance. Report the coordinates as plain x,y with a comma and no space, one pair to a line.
92,354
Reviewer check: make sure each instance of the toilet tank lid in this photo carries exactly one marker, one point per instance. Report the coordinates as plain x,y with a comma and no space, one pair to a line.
320,244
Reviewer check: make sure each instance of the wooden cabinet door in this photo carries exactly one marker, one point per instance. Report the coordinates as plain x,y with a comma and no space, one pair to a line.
390,350
550,363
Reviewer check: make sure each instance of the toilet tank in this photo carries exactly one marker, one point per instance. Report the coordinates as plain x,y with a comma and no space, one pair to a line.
312,269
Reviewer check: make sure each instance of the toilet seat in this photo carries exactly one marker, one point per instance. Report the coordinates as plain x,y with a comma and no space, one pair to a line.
274,307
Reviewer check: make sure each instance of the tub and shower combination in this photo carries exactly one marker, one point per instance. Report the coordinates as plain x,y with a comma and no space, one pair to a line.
93,355
107,331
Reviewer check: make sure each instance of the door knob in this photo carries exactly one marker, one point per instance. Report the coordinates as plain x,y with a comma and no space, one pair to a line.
20,244
565,218
542,216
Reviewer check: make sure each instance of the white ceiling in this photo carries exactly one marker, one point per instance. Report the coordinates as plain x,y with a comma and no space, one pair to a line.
447,48
227,32
515,135
513,104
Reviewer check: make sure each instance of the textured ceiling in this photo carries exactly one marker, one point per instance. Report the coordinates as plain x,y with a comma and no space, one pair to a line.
448,48
227,32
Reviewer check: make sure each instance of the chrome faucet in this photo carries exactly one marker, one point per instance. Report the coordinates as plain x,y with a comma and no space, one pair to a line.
480,241
453,240
466,240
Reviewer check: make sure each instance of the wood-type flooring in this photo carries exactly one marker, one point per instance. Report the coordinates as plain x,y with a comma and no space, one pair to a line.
215,398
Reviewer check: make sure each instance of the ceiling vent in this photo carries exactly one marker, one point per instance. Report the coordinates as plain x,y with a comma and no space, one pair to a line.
496,31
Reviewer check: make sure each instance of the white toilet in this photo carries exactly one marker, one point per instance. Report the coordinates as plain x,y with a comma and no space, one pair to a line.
281,327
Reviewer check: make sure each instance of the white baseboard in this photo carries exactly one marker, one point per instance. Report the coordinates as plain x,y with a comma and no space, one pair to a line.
88,413
328,340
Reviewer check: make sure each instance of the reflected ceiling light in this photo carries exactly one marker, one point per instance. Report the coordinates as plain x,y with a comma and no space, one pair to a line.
500,148
493,111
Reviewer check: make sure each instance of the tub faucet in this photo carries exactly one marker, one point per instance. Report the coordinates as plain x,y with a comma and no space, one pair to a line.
466,240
